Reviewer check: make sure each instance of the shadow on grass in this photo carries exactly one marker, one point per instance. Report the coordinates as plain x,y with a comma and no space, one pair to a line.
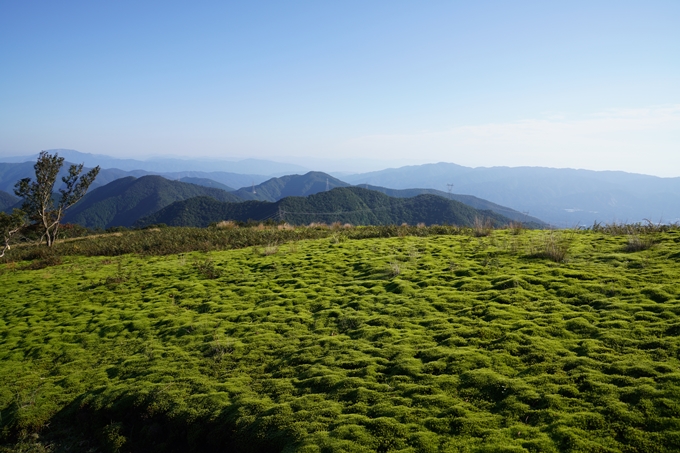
133,423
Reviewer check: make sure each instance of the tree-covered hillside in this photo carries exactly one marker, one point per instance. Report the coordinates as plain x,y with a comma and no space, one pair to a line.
7,200
290,186
123,201
346,204
477,203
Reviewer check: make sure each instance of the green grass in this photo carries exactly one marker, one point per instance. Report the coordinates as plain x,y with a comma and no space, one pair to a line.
476,344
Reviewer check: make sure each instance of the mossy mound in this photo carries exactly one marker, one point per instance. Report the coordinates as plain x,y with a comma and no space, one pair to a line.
418,344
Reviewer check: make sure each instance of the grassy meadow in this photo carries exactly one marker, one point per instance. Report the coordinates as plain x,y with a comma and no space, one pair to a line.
344,340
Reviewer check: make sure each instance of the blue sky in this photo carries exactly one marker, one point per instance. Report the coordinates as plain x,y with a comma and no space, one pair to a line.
592,84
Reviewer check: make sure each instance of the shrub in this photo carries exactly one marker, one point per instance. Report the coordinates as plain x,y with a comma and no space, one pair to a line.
637,243
51,260
516,228
207,268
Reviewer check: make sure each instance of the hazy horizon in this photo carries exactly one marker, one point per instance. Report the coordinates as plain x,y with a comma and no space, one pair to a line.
348,86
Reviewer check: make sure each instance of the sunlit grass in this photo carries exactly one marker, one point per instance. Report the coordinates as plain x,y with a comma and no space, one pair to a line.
477,343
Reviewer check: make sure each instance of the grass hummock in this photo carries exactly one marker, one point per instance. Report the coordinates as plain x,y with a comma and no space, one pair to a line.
345,339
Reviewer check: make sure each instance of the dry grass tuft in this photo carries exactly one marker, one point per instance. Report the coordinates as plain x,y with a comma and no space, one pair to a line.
482,227
637,243
554,246
318,225
226,225
516,228
270,249
393,269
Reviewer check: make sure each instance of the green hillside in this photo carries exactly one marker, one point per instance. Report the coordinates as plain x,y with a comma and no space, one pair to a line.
315,182
123,201
469,200
7,200
442,343
290,186
346,205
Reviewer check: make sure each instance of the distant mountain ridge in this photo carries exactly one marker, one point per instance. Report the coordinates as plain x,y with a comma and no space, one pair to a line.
171,165
206,182
10,173
353,205
122,201
562,197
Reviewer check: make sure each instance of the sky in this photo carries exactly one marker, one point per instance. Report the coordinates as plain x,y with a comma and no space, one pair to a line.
579,84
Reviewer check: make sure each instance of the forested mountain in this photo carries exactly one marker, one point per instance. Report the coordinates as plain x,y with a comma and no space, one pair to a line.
7,200
123,201
206,182
469,200
562,197
290,186
353,205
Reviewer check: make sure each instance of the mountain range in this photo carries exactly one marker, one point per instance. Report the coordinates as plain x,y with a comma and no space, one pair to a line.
353,205
171,165
10,173
561,197
123,201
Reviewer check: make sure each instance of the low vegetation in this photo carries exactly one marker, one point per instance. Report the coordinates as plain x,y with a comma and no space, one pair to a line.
320,339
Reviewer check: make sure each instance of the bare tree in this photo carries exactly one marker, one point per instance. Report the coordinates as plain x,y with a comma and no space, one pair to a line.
11,225
39,200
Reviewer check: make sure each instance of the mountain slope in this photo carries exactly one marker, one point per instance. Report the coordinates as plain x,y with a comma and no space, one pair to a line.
290,186
7,200
123,201
345,204
469,200
206,182
10,173
562,197
226,178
